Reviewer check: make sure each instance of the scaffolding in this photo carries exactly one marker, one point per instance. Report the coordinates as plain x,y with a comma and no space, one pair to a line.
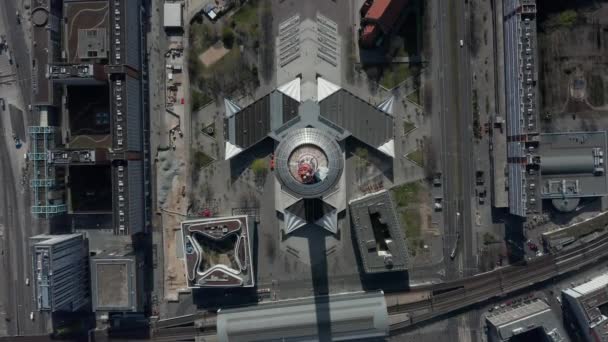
44,178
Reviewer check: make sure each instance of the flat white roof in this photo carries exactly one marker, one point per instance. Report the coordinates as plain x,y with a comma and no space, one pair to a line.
588,287
173,14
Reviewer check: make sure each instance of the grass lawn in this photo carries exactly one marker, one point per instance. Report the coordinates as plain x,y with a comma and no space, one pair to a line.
201,160
202,37
395,74
414,97
406,194
407,200
199,99
246,19
408,126
417,157
411,221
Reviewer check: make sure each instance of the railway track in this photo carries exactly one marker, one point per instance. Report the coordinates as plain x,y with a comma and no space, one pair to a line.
451,296
429,302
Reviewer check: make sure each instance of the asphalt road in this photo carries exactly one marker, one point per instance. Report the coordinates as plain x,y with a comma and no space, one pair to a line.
18,44
15,216
456,141
457,138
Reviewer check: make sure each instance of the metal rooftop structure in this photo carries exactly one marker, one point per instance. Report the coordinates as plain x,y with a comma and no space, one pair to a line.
333,110
350,316
586,306
521,77
572,165
308,146
48,195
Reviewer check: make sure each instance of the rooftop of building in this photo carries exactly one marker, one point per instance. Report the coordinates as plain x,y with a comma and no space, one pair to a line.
572,164
592,299
332,109
88,156
173,14
379,235
524,318
218,252
43,51
349,316
49,239
87,30
113,280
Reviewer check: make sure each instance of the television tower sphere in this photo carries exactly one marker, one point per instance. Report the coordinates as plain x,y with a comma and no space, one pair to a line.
308,162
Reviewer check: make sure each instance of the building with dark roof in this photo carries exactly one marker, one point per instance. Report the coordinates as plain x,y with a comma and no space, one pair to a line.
345,317
380,237
525,321
522,119
218,252
90,54
310,132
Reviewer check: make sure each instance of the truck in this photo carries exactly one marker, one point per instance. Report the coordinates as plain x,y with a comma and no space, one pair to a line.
379,18
479,177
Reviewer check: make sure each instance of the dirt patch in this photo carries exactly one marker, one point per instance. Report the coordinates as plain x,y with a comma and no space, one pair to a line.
213,54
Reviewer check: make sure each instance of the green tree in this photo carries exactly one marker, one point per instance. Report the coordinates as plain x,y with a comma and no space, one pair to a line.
567,18
227,37
259,167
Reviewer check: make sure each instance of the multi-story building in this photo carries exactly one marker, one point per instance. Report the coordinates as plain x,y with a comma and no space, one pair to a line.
530,320
586,309
88,90
117,281
522,119
60,272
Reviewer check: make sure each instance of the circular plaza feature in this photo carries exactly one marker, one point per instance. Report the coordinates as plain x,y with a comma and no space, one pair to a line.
308,162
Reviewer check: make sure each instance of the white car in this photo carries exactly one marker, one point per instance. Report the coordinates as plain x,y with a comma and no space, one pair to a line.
32,315
461,43
27,281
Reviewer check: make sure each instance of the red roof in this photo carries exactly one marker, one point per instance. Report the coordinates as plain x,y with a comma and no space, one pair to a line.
386,12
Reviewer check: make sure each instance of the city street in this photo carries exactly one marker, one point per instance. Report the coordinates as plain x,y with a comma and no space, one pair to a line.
16,223
452,71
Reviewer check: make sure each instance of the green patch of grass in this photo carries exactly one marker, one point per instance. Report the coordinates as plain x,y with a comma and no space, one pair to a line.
202,36
415,97
567,18
259,167
417,157
201,160
246,19
198,99
411,222
394,75
408,126
406,194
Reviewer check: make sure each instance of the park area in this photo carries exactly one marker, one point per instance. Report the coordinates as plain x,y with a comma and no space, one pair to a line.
223,55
